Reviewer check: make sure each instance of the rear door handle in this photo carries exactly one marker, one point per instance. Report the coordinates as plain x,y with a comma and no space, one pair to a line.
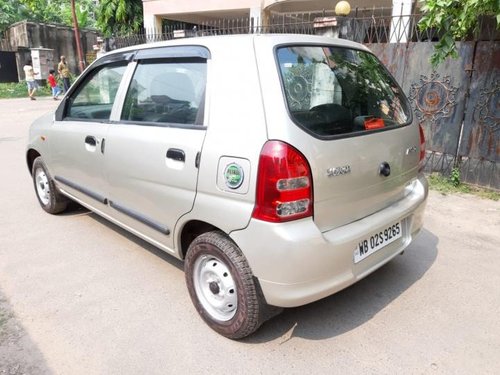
90,140
176,154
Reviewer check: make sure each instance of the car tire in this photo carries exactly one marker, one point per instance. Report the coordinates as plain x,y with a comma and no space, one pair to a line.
222,287
49,198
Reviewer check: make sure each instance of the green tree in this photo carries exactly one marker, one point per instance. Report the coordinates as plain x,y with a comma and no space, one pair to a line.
47,11
120,16
83,13
11,11
454,20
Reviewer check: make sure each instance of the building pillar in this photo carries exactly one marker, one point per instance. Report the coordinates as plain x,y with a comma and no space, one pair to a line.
152,25
255,19
400,23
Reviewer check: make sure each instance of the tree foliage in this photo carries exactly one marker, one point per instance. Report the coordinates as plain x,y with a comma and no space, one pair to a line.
11,11
454,20
120,16
83,14
46,11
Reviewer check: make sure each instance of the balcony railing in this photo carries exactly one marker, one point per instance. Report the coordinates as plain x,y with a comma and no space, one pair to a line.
362,28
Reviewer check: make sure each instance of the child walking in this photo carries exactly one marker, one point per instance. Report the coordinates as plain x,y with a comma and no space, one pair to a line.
56,90
30,79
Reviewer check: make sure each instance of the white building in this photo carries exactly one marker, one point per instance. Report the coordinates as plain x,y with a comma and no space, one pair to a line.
204,11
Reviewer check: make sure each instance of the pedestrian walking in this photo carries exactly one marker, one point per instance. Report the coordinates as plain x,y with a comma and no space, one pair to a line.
30,79
63,70
56,90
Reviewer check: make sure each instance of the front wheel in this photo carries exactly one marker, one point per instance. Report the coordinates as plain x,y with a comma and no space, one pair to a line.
48,196
222,287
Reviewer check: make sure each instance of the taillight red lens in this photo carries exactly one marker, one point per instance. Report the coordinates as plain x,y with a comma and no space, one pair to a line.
284,184
422,149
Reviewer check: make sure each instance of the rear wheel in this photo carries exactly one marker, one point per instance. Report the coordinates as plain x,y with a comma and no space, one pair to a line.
48,196
222,287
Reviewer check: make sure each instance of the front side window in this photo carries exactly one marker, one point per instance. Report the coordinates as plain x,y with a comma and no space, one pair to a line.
333,91
94,98
168,91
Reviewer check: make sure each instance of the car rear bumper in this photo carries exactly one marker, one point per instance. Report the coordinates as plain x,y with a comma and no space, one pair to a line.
297,264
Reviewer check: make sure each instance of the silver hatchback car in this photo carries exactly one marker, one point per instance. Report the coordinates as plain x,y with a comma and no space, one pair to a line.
280,168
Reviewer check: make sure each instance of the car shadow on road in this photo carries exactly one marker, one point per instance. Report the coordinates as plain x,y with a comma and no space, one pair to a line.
342,312
138,241
356,305
75,209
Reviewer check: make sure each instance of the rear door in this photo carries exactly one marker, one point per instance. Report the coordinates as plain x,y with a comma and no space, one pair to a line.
154,145
351,120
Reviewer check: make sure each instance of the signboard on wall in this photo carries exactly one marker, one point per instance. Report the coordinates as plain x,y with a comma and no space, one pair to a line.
43,61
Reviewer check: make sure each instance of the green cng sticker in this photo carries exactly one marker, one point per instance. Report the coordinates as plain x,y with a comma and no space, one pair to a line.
233,174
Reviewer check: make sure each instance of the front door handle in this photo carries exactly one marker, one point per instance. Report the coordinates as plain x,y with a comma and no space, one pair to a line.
176,154
90,140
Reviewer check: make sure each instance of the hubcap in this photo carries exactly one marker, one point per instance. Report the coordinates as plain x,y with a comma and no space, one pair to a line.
42,186
215,287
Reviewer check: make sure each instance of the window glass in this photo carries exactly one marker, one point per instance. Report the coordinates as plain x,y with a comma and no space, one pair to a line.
167,92
332,91
94,98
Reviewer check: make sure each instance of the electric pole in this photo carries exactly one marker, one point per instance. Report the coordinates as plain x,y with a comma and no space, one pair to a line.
77,37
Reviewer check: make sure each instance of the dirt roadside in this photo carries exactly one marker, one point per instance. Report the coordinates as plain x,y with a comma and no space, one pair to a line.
18,354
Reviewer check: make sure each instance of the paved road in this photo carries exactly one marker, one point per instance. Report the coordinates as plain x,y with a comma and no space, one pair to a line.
81,296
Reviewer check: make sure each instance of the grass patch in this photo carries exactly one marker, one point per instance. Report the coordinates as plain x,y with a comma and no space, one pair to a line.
20,90
446,185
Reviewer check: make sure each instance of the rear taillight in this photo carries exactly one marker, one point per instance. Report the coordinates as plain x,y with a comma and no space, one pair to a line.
421,161
284,184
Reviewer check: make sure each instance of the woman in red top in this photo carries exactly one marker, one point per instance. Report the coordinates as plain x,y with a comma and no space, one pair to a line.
56,90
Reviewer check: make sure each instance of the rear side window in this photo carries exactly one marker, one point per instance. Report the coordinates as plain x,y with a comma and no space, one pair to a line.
94,98
333,91
169,91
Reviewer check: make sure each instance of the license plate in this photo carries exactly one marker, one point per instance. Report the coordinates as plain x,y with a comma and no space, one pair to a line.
377,241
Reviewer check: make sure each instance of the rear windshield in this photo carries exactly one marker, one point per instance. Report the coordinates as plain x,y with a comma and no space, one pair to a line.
334,91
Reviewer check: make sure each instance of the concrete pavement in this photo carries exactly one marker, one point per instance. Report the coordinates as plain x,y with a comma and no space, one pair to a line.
79,295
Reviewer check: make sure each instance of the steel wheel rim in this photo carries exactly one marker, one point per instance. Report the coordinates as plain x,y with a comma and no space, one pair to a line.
42,186
215,287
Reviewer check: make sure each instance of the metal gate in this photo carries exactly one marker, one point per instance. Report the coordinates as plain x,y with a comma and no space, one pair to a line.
458,105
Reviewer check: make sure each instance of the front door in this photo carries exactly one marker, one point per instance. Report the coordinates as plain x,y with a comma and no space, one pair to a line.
78,160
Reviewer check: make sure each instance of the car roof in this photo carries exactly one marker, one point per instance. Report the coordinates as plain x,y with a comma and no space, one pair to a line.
221,40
